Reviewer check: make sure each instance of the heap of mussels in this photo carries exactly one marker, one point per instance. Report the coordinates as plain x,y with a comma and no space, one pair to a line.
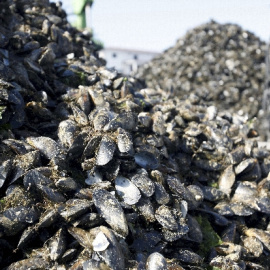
98,172
222,64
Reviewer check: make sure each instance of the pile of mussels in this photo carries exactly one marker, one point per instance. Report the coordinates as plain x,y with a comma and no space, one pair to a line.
97,172
222,64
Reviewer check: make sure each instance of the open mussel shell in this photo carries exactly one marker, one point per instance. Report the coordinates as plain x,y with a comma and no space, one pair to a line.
127,190
246,193
245,166
101,242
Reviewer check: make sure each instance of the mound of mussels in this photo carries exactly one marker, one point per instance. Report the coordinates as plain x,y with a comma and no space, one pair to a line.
98,172
222,64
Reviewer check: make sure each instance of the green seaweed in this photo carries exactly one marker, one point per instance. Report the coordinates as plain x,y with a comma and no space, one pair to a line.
142,102
213,184
210,237
82,77
2,204
79,78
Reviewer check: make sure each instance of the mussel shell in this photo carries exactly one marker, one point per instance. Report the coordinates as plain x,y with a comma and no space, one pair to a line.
94,265
29,234
105,151
51,193
125,120
66,132
110,209
124,141
93,177
156,261
143,182
84,238
5,170
91,147
253,245
165,217
45,145
76,149
101,119
66,184
112,254
158,123
161,195
146,209
101,242
195,231
79,116
188,256
75,208
22,214
49,217
127,190
262,235
245,166
30,263
146,160
226,180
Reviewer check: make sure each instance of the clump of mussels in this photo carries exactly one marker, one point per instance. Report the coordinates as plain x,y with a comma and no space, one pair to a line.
222,64
99,173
